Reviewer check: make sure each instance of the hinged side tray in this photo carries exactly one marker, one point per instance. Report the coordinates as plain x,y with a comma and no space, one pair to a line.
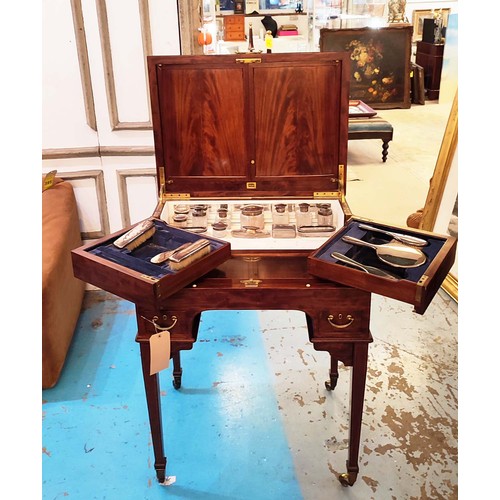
414,285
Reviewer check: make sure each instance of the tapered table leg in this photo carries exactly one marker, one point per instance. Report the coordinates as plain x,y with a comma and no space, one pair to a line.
177,369
152,387
334,374
358,381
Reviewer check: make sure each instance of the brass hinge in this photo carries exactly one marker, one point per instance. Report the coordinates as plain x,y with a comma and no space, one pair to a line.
161,176
176,196
342,184
250,60
421,284
325,194
149,278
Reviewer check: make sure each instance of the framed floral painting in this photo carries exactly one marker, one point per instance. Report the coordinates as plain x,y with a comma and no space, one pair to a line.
380,62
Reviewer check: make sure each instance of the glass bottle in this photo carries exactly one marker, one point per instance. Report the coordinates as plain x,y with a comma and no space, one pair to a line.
303,215
252,216
280,214
199,218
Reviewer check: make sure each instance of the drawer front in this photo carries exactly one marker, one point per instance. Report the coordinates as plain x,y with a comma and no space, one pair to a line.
333,312
342,319
234,21
182,325
231,36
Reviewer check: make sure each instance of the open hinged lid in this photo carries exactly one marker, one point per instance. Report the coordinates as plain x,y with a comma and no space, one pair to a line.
414,280
252,125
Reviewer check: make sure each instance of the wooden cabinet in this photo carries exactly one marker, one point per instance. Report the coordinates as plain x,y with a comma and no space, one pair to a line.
430,57
234,28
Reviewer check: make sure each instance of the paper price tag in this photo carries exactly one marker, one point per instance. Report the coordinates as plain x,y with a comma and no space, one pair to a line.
159,345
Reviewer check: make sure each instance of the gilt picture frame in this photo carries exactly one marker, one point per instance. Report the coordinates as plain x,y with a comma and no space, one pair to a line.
417,20
440,213
380,62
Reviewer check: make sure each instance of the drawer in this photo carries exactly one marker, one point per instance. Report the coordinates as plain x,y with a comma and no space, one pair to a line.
234,36
234,21
342,320
178,323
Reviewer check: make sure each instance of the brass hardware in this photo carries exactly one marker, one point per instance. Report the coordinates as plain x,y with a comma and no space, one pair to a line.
149,278
177,196
349,318
250,60
161,176
251,185
308,285
250,283
421,287
325,194
252,162
159,328
423,280
342,181
251,259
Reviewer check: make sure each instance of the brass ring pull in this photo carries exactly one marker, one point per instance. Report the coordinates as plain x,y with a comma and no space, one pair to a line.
349,318
159,328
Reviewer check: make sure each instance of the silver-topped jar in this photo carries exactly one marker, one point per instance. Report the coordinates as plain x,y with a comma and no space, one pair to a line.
219,229
252,216
303,215
280,214
199,218
325,216
180,220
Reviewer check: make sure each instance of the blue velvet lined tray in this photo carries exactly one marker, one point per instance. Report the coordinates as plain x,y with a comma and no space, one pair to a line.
165,238
368,256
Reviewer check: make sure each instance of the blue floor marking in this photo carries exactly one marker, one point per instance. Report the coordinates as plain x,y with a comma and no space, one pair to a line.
222,430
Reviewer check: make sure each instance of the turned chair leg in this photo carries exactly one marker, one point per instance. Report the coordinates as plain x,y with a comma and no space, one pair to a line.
385,147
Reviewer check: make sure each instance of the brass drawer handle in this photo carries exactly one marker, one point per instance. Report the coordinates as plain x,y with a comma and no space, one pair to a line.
159,328
349,318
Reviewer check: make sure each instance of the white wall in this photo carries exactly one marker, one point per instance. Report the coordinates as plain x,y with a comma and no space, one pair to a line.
96,120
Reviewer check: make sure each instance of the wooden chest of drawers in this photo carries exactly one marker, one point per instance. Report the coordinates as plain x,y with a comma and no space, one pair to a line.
234,28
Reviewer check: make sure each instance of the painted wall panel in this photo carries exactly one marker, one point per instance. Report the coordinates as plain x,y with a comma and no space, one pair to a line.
164,27
64,121
128,66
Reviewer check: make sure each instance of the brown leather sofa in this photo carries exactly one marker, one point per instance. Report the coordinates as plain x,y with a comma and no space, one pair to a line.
62,293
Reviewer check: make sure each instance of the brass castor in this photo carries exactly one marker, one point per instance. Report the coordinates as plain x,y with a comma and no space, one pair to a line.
160,475
332,383
348,478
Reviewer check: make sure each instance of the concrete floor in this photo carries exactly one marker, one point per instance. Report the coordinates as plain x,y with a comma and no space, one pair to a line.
253,419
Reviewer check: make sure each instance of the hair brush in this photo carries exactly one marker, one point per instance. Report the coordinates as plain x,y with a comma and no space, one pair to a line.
187,255
136,236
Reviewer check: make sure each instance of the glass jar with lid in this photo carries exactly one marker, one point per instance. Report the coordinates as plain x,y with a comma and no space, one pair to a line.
303,215
199,218
252,216
280,214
